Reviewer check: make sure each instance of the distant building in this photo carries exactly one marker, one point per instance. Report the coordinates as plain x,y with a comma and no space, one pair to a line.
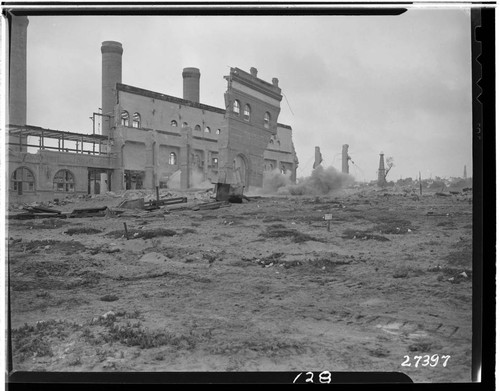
145,138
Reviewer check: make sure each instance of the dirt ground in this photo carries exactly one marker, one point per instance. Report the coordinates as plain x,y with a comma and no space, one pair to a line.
258,286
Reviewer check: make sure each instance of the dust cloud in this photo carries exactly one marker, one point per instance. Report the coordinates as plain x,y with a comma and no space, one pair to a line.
322,181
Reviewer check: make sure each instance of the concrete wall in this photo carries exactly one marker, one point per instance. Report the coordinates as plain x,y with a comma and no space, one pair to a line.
45,164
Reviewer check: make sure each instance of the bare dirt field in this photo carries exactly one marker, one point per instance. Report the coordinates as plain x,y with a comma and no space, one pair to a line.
258,286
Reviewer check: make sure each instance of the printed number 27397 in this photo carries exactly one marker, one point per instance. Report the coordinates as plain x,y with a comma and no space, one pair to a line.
425,360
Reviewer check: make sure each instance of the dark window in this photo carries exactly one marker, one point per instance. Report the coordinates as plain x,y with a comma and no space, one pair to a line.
23,180
236,107
125,118
136,120
64,181
173,123
267,119
197,128
246,113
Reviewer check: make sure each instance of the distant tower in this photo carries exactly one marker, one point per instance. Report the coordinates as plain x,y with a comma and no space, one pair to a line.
345,159
191,84
465,172
317,157
381,171
111,74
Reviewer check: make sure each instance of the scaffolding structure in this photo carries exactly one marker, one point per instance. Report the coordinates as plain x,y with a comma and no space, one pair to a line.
27,136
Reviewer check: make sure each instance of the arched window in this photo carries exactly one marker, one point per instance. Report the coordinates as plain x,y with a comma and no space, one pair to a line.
23,180
267,119
184,124
197,128
207,129
173,123
278,142
64,181
172,159
125,118
136,120
283,170
236,107
217,131
246,113
271,141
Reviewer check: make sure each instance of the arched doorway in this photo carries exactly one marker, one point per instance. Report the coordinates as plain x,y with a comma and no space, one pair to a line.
241,170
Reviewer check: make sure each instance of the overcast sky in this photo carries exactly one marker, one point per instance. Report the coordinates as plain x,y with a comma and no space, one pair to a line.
399,85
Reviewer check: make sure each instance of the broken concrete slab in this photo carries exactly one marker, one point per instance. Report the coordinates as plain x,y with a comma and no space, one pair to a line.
137,203
89,212
211,205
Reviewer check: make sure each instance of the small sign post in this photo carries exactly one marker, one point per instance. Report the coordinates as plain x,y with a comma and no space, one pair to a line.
328,217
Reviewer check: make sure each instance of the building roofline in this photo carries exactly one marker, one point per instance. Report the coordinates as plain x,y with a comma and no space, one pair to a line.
167,98
173,99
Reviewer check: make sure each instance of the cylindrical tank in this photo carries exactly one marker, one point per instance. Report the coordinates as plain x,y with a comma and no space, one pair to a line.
111,74
191,84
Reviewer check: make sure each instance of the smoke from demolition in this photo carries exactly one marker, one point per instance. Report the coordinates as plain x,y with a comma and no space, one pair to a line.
322,181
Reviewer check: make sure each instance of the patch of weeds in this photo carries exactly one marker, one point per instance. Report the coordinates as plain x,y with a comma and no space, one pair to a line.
271,219
362,235
277,226
423,346
82,231
131,335
433,243
448,223
75,361
188,231
398,227
269,260
109,298
461,257
407,271
34,340
35,246
46,224
296,236
326,263
142,233
379,352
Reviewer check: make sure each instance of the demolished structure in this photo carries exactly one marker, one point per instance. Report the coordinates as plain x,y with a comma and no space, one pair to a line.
146,139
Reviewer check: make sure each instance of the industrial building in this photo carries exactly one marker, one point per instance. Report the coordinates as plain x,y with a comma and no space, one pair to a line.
146,139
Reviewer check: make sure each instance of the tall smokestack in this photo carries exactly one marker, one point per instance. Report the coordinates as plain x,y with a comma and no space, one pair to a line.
191,84
381,171
17,70
345,159
111,74
17,79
